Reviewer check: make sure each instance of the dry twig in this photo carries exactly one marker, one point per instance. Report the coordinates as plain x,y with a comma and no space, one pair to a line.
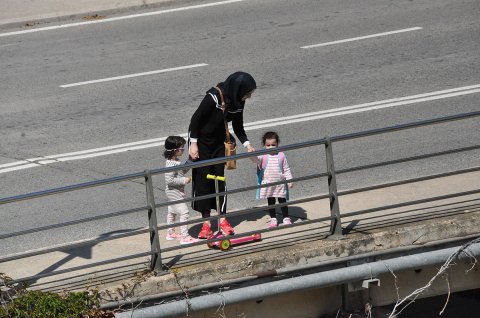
409,299
448,296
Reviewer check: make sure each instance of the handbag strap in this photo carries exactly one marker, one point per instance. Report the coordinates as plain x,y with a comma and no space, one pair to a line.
222,107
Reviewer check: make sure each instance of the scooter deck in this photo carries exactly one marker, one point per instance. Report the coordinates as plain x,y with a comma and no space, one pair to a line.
226,242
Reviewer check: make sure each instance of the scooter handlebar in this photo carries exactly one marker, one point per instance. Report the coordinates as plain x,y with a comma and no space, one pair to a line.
213,177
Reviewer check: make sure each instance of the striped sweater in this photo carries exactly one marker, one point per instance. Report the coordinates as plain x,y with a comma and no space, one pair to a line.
273,173
175,181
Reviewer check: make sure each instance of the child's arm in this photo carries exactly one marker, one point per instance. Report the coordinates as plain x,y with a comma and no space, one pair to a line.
287,172
257,160
171,179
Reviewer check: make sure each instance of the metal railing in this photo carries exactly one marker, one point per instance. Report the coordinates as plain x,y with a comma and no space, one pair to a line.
153,229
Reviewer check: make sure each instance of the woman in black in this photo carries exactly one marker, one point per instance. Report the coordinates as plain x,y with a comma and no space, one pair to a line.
207,135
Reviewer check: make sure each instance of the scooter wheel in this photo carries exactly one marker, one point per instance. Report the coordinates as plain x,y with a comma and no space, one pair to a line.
225,245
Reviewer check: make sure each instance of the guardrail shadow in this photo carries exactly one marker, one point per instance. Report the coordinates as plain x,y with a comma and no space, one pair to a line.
408,216
84,252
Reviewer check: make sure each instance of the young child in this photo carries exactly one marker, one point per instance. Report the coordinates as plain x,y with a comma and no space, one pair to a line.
175,182
273,168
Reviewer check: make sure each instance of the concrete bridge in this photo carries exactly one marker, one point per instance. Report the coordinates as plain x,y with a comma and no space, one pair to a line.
392,240
347,248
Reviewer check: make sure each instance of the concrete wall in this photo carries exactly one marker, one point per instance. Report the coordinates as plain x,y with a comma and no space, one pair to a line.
460,277
319,302
311,303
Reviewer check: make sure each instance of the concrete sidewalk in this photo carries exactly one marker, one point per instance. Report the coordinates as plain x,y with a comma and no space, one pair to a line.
288,246
17,13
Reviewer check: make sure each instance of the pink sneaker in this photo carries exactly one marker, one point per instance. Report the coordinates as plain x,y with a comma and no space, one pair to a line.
273,222
188,240
226,228
205,232
173,236
287,221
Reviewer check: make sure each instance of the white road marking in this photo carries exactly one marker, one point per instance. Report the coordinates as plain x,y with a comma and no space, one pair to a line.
156,142
366,107
125,17
116,78
8,44
360,38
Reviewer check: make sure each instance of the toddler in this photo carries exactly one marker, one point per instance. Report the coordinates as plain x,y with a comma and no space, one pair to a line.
175,182
273,168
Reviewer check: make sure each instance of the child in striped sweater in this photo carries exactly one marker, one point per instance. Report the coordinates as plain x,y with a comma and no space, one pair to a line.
175,182
273,168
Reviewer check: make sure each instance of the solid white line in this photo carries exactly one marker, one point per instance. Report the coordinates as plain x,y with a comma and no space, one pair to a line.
16,163
19,167
385,103
345,111
116,78
132,16
157,142
361,38
90,153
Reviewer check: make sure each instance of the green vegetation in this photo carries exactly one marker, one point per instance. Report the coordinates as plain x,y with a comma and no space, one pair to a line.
18,302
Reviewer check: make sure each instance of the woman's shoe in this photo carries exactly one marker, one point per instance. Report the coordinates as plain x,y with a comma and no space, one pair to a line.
226,228
205,232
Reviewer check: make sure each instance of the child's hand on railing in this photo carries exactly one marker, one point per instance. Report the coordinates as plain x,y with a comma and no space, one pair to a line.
290,185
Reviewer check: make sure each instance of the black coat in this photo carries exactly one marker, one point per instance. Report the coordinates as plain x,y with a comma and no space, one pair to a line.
207,125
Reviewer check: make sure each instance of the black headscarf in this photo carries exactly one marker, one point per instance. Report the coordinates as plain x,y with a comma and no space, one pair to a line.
235,87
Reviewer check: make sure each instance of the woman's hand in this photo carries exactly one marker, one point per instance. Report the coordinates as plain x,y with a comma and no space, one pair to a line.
250,148
193,151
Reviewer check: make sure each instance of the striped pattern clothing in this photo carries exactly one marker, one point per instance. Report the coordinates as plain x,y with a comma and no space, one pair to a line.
175,181
175,190
273,173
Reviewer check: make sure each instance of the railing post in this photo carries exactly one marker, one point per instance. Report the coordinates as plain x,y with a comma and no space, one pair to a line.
336,223
156,259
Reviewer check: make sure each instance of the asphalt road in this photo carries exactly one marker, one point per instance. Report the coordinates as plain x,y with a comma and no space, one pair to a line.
47,109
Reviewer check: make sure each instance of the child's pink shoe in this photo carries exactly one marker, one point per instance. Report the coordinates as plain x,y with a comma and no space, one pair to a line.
287,221
173,236
188,240
273,222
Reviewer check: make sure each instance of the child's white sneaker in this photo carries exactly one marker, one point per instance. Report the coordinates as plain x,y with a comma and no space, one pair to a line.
273,222
173,236
287,221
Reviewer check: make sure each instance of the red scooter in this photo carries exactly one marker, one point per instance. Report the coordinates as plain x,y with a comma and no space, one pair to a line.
225,243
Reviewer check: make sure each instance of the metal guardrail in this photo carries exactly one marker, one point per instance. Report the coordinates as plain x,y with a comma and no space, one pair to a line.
155,252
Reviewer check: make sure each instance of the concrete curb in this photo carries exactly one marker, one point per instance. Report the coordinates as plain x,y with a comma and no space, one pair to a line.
29,13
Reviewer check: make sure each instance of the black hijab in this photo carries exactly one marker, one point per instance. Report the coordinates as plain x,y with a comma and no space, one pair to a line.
235,87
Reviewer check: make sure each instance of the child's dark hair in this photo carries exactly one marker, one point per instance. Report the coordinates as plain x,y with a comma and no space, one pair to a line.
270,135
172,143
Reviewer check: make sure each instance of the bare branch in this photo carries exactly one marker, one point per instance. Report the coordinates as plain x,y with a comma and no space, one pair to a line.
448,296
409,299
